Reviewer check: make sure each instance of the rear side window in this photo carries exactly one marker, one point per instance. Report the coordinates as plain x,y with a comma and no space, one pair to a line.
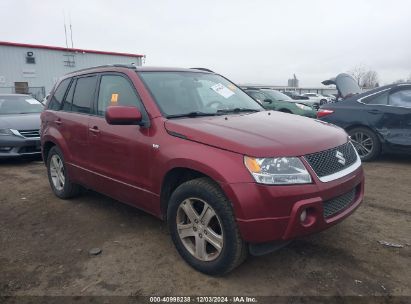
84,94
401,99
57,98
116,90
378,99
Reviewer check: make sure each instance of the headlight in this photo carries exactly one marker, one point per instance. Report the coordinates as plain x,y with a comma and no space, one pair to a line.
6,132
277,171
303,107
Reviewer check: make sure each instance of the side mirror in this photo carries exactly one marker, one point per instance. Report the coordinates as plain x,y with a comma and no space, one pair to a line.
268,100
121,115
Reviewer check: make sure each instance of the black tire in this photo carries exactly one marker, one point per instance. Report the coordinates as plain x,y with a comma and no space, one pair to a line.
285,111
234,250
375,150
69,189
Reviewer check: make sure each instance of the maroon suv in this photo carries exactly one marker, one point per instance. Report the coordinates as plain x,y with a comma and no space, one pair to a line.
188,146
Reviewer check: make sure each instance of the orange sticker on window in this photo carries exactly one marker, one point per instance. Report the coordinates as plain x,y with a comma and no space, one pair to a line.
114,97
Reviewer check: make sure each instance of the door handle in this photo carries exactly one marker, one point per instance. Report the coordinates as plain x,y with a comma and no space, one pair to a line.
58,122
94,129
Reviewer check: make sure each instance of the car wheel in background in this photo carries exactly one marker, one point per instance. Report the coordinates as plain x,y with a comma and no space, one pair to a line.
203,227
366,142
59,181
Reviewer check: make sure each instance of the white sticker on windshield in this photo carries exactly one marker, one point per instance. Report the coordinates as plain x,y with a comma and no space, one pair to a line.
32,101
222,90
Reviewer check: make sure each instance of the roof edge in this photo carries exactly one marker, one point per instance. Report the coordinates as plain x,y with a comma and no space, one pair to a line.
63,49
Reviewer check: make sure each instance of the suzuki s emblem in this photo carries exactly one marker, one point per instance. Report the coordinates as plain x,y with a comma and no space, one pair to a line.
341,158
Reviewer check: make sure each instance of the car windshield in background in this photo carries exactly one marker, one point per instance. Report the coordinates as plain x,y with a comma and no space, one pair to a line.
196,94
19,105
277,95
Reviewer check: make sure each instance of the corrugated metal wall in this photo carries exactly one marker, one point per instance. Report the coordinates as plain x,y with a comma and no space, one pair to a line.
49,66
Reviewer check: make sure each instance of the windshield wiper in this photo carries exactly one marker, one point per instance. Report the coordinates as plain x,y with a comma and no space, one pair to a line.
237,110
191,114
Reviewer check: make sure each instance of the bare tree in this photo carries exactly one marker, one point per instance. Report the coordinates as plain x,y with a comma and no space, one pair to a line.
358,73
364,76
370,79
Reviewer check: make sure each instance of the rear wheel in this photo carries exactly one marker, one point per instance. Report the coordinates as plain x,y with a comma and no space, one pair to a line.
203,227
366,142
59,181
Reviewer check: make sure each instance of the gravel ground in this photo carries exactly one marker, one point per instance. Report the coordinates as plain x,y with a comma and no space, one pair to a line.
45,243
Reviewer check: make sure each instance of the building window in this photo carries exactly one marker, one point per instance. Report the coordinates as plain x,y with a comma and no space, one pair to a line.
69,60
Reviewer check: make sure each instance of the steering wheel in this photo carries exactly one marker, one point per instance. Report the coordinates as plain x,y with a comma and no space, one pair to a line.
214,102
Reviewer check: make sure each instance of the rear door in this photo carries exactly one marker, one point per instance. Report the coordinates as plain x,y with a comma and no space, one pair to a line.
120,153
389,113
399,100
74,117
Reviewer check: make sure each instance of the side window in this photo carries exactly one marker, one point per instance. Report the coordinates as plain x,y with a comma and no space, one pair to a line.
57,98
84,94
378,99
401,98
116,90
69,98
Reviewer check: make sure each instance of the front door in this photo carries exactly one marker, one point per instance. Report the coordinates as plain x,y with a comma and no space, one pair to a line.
120,153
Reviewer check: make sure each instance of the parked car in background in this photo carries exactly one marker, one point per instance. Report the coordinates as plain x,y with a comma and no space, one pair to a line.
275,100
378,120
294,95
189,146
330,97
19,125
317,98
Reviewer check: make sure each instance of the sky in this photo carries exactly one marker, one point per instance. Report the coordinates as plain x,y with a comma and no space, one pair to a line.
261,42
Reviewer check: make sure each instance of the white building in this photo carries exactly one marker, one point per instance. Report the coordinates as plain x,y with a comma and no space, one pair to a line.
34,69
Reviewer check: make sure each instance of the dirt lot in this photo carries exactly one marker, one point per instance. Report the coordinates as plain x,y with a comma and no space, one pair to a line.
44,244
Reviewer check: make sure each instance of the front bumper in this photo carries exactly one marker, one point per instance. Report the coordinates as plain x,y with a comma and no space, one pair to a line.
15,146
270,213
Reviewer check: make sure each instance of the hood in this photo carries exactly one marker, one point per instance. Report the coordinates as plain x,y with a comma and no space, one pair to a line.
346,85
262,134
20,121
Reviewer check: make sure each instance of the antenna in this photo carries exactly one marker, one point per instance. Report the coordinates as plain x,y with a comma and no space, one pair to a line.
71,33
65,28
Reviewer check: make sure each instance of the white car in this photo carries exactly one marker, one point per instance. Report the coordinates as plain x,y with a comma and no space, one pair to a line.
317,97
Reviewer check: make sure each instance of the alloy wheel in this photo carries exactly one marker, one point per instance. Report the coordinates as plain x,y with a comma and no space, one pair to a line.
57,172
363,143
199,229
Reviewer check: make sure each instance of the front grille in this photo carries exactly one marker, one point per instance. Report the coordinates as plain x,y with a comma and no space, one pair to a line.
332,161
30,133
337,204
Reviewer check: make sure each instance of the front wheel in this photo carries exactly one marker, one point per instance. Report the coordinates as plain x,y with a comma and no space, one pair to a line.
366,142
203,227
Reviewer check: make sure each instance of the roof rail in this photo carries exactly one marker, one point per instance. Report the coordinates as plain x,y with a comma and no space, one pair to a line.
117,65
203,69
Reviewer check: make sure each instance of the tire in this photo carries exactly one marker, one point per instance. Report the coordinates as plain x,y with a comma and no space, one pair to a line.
285,111
63,189
197,194
364,139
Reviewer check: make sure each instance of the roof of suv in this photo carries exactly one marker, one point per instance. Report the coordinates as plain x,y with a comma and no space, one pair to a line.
138,69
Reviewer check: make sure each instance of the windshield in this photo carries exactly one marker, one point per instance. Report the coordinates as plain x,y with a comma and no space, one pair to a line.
19,105
277,95
180,93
